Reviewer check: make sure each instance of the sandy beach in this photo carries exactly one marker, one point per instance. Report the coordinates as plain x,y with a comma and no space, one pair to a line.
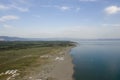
63,70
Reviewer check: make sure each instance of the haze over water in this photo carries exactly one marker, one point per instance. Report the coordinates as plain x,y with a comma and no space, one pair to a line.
97,60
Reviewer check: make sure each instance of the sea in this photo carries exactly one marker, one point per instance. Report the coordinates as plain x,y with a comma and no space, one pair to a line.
96,60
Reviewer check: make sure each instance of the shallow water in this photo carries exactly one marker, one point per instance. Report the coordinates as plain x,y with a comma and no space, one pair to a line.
97,60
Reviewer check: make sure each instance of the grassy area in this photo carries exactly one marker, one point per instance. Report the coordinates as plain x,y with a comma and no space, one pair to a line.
23,55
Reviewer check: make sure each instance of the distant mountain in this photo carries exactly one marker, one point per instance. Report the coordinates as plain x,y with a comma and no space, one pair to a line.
107,39
7,38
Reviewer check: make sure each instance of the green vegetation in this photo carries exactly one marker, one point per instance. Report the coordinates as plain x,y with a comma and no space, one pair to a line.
31,44
23,55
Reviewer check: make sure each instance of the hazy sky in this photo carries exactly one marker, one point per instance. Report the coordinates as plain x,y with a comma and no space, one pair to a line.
60,18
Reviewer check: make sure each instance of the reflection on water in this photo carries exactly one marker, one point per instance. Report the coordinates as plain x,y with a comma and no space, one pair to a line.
97,60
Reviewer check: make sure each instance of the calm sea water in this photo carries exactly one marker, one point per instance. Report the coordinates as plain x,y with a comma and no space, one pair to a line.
97,60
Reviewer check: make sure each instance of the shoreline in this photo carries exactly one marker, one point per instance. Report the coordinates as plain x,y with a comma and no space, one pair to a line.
64,70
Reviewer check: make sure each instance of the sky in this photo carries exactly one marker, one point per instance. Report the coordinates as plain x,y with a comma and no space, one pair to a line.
60,18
